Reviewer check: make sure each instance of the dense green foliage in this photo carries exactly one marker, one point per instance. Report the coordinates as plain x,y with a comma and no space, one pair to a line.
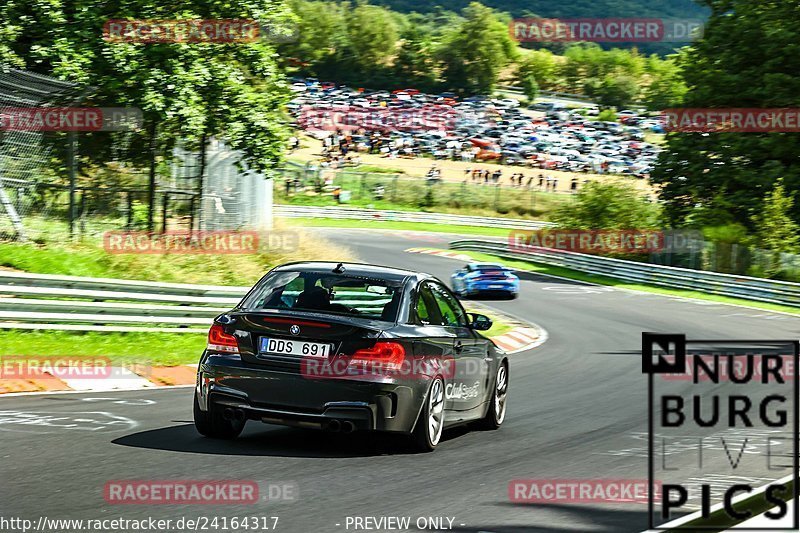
609,205
749,58
367,45
468,53
186,91
574,9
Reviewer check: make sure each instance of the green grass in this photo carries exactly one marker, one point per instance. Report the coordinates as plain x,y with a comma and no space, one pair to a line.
401,226
404,194
602,280
91,260
499,325
157,349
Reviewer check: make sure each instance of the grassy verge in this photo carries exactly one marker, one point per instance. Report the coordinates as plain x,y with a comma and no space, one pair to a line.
602,280
158,349
401,226
89,258
448,196
499,325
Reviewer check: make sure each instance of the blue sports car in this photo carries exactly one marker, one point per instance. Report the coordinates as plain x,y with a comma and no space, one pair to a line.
485,279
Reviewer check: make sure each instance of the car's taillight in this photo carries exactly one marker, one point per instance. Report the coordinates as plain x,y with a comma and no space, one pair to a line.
219,341
389,355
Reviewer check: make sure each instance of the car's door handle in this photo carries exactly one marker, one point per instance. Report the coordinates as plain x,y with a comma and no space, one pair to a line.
458,346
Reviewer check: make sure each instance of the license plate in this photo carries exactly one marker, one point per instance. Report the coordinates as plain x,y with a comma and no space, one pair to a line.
496,286
291,347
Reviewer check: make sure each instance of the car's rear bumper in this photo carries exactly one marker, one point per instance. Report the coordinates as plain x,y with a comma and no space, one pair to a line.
486,290
290,399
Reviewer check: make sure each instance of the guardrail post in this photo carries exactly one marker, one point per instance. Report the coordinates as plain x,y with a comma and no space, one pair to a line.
72,140
83,213
164,208
128,210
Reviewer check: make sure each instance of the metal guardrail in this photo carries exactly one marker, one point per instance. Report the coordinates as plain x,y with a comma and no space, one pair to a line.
47,302
581,98
354,213
748,288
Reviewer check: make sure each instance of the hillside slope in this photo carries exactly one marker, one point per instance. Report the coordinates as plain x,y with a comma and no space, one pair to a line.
558,8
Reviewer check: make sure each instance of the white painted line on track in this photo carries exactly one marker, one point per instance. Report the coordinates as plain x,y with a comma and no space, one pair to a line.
60,392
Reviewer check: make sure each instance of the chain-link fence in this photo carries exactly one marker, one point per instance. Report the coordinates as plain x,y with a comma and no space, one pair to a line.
55,183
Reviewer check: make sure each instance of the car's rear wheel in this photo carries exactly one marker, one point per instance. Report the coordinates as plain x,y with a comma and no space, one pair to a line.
498,404
430,424
213,424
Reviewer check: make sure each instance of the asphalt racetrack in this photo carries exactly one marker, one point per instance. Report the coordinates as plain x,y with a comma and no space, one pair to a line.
577,410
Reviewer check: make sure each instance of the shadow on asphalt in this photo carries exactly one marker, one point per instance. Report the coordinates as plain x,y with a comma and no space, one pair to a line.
275,441
584,517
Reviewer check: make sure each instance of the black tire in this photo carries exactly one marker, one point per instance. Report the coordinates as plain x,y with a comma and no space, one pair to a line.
423,439
212,424
496,413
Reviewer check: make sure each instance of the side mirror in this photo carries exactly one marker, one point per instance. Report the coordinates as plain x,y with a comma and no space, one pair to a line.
479,322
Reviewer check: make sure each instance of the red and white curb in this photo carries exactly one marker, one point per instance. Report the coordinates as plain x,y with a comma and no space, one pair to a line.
520,339
118,379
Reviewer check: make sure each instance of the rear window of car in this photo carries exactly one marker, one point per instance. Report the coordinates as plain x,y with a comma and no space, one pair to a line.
491,268
330,293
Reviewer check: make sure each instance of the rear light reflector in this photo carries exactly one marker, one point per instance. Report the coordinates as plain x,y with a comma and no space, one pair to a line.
219,341
388,355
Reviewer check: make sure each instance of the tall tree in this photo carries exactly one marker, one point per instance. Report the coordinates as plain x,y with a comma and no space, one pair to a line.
474,52
186,91
373,35
749,58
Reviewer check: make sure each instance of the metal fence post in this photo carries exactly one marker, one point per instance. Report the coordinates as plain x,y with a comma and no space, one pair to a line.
72,140
164,208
